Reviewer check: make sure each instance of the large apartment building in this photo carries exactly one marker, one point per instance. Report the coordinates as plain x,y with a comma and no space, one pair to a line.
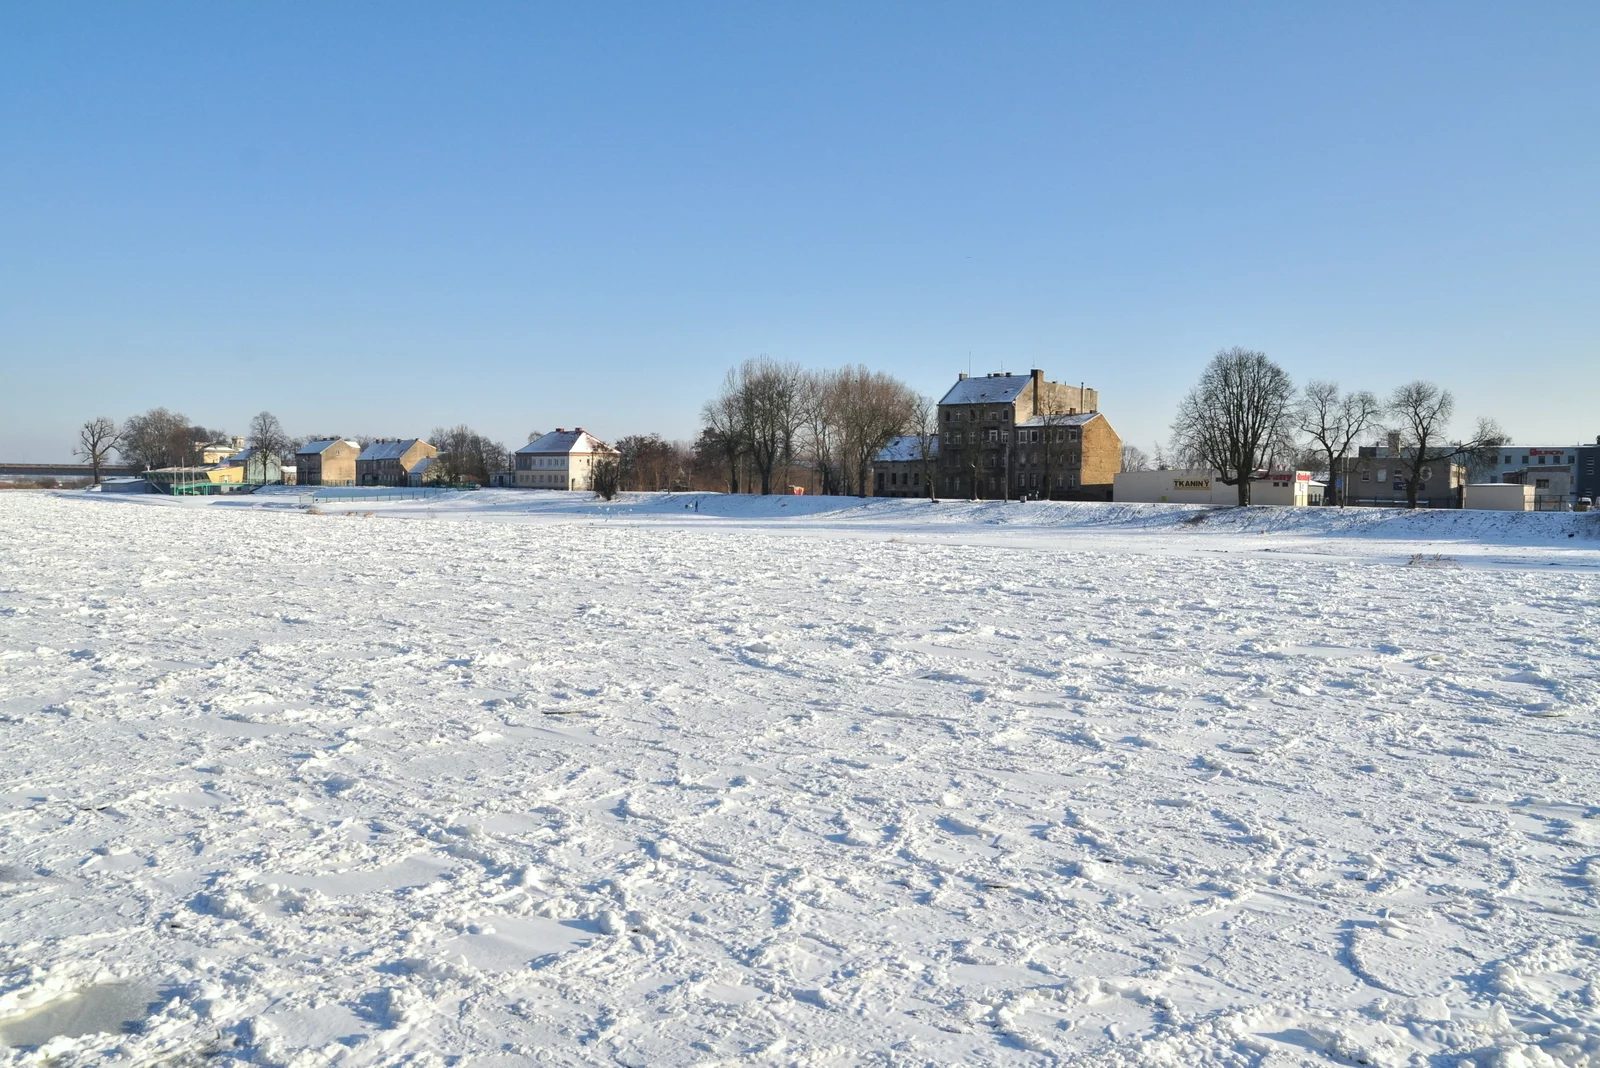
394,463
327,462
1005,436
560,460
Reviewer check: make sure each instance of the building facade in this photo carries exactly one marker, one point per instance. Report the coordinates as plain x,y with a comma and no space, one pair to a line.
392,463
1004,436
328,462
901,470
1202,486
1376,475
561,460
1588,473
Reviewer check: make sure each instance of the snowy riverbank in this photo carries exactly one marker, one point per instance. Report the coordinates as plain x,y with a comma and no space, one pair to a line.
795,780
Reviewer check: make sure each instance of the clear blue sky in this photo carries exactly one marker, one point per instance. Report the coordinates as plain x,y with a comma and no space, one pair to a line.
375,218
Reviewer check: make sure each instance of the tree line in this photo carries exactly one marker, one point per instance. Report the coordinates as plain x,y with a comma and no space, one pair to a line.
1245,416
162,438
771,418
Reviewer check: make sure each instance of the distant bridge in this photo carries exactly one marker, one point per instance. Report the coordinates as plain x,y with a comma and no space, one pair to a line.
65,470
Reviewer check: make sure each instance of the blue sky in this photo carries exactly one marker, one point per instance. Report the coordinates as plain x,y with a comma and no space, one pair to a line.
378,218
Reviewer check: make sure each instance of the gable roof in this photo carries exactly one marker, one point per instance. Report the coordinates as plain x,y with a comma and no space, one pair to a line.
906,447
566,441
989,389
312,448
387,450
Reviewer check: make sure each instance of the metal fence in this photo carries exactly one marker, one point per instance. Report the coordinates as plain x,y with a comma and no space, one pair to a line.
357,494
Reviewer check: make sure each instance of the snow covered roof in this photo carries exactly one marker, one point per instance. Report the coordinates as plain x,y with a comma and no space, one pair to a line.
386,450
1078,419
906,447
564,441
312,448
989,389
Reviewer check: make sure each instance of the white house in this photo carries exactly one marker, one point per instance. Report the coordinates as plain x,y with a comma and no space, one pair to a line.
561,460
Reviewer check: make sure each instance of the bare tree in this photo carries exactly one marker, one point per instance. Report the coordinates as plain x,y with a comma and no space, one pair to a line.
820,398
160,438
96,439
770,413
724,418
1237,419
1134,459
1421,412
268,440
649,462
468,456
605,477
872,409
923,427
1334,422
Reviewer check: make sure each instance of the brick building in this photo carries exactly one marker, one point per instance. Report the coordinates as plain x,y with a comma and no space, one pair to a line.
393,463
328,462
1005,436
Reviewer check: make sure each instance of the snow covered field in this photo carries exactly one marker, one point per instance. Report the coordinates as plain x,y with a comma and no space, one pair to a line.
510,777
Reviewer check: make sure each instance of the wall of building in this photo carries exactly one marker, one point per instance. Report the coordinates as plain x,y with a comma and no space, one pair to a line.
1190,486
1101,456
1498,497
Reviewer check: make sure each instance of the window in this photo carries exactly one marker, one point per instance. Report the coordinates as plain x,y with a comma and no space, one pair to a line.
994,435
1508,459
1541,459
1005,435
1383,473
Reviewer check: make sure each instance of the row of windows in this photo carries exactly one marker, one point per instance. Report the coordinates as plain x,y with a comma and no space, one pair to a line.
955,484
1509,459
1025,435
973,415
527,463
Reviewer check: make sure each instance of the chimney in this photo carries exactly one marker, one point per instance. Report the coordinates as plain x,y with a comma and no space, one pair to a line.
578,430
962,377
561,430
238,441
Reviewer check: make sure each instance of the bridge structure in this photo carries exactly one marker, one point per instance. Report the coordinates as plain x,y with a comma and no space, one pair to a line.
66,470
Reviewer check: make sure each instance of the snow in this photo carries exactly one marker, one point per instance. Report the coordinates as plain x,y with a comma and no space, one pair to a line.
906,448
987,389
499,776
311,448
563,442
386,450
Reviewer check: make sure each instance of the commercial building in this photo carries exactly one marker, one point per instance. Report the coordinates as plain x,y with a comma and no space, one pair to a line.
561,460
1588,473
211,478
1202,486
901,469
393,463
260,466
1498,497
1376,476
1019,436
327,462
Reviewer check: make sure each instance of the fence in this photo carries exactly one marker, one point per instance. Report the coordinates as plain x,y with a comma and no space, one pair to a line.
322,494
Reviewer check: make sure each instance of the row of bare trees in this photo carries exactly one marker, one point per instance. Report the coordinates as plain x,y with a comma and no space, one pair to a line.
1245,417
162,438
770,418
